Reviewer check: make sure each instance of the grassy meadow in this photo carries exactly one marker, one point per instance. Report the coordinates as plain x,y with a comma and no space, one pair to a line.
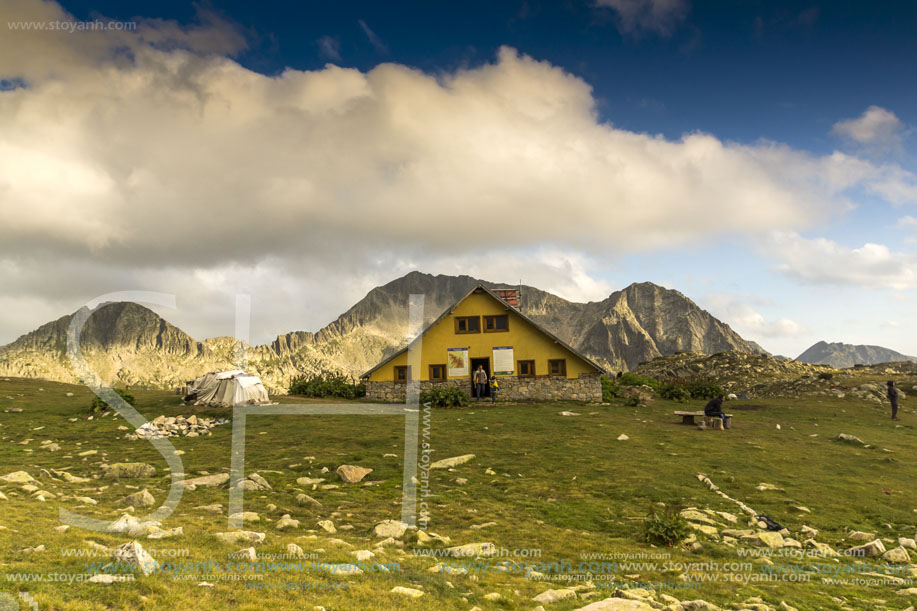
547,488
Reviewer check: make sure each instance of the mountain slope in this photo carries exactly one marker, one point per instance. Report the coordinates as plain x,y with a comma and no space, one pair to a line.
128,343
842,355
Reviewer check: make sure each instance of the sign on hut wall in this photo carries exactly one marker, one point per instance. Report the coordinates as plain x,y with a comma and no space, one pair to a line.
503,360
457,359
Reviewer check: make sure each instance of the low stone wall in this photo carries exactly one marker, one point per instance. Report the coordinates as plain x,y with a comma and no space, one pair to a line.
587,387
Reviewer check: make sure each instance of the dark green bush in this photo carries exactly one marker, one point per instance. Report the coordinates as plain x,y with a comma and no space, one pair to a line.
704,389
449,396
610,390
674,392
665,526
327,385
825,375
682,390
98,405
633,379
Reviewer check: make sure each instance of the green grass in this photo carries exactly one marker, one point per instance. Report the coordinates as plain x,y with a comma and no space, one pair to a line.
563,485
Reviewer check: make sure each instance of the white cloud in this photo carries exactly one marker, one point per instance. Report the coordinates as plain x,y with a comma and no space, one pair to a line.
151,157
823,261
877,126
747,321
659,16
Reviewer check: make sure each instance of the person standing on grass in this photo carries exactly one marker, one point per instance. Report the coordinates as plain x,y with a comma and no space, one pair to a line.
893,397
714,409
480,381
494,387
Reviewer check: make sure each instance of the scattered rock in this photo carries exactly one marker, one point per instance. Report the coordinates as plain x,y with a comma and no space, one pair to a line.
309,481
411,592
455,461
472,550
869,550
552,596
246,516
254,482
128,470
286,521
248,553
139,499
850,439
623,437
133,554
389,528
624,604
17,477
207,481
327,526
305,499
241,536
106,579
351,474
897,555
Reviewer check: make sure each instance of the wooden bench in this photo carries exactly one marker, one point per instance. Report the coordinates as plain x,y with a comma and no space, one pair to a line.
713,422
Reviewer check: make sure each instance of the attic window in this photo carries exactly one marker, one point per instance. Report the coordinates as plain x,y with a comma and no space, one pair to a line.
495,324
467,324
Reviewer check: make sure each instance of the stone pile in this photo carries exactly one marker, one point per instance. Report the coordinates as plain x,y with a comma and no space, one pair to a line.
177,426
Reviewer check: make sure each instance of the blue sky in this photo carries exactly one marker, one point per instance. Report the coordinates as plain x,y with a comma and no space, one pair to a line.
757,156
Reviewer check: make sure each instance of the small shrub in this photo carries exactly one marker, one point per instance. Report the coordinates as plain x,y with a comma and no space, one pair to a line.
665,526
674,392
825,375
327,385
445,397
610,389
98,405
633,379
704,389
633,401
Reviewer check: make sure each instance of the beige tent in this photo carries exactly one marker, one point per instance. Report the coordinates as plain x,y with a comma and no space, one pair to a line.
226,389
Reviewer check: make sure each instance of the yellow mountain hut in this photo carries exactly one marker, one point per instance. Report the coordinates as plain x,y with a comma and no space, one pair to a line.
483,328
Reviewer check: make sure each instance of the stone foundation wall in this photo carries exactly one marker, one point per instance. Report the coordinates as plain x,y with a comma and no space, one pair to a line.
587,387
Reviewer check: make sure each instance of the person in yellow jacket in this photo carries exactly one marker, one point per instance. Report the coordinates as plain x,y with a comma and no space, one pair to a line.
494,387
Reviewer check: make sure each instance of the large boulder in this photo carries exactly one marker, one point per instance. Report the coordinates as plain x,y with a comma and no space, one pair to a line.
128,470
351,474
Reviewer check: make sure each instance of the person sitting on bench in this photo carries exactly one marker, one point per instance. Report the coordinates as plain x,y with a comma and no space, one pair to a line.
714,409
